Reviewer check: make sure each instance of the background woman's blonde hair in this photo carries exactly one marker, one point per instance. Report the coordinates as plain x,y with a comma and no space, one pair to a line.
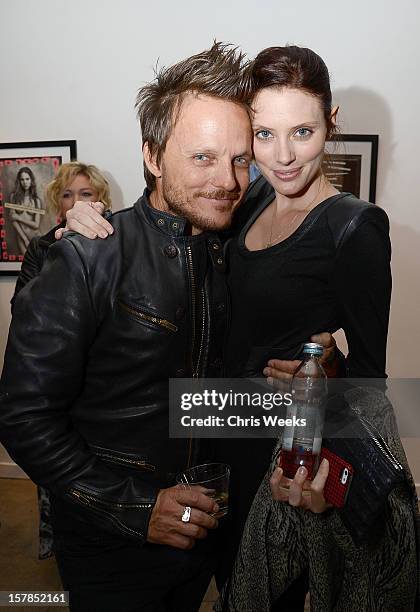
65,176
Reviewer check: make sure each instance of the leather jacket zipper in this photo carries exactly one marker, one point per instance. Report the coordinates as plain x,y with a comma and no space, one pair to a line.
145,316
203,330
193,300
93,503
196,369
91,500
135,462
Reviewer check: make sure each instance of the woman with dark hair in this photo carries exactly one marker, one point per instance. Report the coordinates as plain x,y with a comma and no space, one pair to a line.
306,258
285,219
25,222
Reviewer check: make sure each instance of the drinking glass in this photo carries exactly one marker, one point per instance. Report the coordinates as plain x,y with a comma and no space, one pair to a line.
212,476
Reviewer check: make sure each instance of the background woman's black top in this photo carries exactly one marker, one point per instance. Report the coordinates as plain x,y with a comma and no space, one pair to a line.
308,284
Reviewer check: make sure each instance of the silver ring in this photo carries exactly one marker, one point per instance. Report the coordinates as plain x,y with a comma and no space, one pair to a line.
185,518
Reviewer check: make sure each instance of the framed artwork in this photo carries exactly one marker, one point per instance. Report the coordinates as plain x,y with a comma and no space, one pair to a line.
25,170
351,164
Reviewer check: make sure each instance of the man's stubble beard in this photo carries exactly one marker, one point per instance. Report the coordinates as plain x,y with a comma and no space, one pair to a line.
179,204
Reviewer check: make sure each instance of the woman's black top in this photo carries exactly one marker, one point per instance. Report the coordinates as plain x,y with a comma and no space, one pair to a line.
321,278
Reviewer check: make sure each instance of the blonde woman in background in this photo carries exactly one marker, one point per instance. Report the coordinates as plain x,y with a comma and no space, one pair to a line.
74,182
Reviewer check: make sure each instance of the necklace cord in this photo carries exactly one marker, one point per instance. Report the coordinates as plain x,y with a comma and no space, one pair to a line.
272,240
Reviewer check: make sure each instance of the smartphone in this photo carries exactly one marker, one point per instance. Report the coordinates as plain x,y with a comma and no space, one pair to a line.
339,478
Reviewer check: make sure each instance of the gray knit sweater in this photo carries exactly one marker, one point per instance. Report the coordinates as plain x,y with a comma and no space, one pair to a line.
280,542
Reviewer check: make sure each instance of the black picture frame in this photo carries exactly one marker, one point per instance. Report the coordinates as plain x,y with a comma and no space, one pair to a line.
351,164
36,163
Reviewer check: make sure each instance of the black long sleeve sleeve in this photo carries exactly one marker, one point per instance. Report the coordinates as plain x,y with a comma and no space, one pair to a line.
363,285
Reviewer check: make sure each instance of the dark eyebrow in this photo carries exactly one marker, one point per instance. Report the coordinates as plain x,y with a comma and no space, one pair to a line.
306,124
295,127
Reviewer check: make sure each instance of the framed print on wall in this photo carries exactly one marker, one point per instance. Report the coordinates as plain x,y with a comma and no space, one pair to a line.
25,170
351,164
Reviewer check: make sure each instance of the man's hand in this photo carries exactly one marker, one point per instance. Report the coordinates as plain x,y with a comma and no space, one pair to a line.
278,369
300,492
165,525
86,218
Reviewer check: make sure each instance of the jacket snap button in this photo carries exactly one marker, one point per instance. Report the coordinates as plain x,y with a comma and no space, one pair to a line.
220,307
171,251
160,221
220,260
216,246
180,373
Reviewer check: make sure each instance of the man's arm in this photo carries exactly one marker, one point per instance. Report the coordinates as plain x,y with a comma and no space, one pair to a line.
51,329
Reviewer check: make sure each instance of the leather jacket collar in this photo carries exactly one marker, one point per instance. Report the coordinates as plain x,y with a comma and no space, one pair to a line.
166,222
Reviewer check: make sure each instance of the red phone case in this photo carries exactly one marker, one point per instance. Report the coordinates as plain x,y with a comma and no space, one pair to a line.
339,478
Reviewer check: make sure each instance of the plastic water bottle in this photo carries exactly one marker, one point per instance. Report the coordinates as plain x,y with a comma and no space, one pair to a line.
302,440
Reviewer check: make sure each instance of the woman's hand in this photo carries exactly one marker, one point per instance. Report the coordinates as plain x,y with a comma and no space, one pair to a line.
283,370
86,218
300,492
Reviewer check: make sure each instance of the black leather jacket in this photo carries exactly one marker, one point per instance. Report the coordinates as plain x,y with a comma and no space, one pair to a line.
35,257
93,341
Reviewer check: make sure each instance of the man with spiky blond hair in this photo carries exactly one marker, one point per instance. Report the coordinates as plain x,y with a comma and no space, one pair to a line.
102,329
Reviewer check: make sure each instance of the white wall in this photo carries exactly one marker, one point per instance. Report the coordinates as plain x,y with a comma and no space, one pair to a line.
71,70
